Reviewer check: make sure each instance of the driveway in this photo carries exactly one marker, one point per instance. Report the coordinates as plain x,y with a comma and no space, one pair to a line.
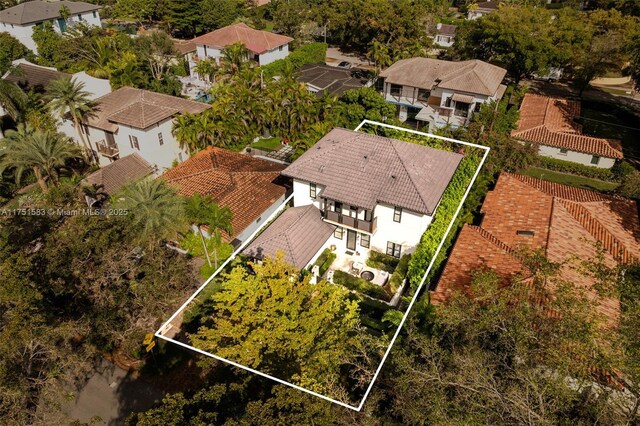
335,56
110,395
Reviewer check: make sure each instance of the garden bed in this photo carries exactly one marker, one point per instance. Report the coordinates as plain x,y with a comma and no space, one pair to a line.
361,286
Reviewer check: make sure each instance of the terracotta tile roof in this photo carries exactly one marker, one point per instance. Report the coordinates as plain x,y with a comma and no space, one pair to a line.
363,170
549,121
34,77
139,108
472,76
299,232
566,223
30,12
120,173
247,185
255,40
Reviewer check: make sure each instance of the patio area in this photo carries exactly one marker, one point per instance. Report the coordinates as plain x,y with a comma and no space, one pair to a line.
355,264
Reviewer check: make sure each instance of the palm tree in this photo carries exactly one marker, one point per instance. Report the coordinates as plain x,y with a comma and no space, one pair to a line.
234,57
206,69
95,195
43,152
185,130
195,208
218,219
68,95
155,209
12,98
380,55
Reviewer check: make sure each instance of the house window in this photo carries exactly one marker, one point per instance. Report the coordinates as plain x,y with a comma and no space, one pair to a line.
313,190
477,106
367,215
397,214
447,102
160,139
337,207
595,160
423,94
95,15
338,233
396,90
134,142
394,249
80,18
525,233
180,157
563,151
281,48
365,240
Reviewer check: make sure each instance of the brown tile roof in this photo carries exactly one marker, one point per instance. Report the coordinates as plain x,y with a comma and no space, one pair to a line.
331,80
255,40
139,108
550,121
34,77
446,29
472,76
566,223
363,170
247,185
35,11
299,232
119,173
490,5
184,46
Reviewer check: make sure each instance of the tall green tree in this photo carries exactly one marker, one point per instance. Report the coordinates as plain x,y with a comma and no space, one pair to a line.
203,211
12,98
44,153
67,95
10,50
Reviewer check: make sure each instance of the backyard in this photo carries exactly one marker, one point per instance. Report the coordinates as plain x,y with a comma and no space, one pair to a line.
571,179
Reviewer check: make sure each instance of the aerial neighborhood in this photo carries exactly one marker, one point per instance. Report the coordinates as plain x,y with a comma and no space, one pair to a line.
300,212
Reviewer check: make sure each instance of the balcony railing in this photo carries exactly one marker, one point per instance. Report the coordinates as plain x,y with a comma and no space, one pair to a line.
107,150
351,222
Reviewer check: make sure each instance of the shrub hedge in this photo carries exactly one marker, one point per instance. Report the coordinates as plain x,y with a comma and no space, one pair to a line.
325,260
433,236
576,169
307,54
382,261
360,285
400,272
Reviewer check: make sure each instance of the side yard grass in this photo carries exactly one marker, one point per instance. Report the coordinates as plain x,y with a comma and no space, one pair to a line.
268,144
572,180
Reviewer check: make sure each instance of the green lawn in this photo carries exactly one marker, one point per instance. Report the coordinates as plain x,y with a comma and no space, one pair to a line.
269,144
572,180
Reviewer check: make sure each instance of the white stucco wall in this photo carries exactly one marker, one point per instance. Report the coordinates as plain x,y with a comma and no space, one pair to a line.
95,86
24,33
575,157
444,41
246,233
274,55
301,194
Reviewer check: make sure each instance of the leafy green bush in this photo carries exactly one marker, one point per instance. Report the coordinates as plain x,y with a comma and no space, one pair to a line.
433,236
360,285
325,260
382,261
576,168
308,54
622,169
400,272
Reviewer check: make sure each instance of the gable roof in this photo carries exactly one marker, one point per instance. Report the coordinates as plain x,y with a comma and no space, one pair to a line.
566,223
121,172
363,170
472,76
139,108
35,11
247,185
446,29
331,80
299,232
33,77
550,121
254,40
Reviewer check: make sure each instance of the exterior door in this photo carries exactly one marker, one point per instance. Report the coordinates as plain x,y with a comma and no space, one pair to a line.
351,239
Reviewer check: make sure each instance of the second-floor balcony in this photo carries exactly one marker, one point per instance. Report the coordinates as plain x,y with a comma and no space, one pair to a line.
107,150
351,222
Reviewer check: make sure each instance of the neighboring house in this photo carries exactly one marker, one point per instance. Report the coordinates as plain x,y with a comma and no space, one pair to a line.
550,123
478,10
34,77
375,193
252,188
263,46
139,121
20,20
565,222
324,79
439,93
445,35
186,48
113,177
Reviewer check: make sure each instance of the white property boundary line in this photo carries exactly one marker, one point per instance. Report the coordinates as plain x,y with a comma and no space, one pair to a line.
406,314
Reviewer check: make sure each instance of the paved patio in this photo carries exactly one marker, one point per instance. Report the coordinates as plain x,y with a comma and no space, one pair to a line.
351,263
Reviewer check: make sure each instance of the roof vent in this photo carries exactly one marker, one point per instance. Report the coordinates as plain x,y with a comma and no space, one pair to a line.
393,176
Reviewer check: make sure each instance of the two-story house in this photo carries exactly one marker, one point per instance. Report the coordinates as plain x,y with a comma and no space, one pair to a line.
263,46
550,123
131,121
358,192
436,93
20,20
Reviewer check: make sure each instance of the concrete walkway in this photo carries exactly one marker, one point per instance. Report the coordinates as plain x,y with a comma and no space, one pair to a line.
110,395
